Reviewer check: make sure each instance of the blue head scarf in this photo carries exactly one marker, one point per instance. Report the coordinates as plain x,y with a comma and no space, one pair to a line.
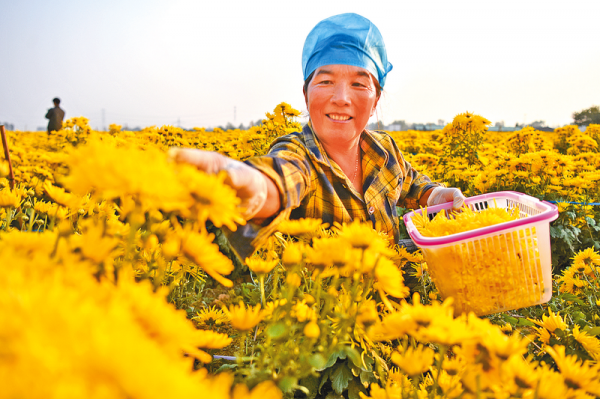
346,39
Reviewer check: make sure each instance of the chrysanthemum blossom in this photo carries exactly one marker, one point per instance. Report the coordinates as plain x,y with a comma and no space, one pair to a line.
261,266
199,248
243,318
414,361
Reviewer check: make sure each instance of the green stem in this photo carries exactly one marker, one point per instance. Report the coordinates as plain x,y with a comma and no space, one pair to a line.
261,277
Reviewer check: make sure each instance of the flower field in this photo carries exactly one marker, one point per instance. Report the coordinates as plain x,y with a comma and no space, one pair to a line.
117,281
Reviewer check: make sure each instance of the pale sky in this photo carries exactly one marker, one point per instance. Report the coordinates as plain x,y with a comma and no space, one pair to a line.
150,62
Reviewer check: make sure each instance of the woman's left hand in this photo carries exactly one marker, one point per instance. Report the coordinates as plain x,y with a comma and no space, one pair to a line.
441,195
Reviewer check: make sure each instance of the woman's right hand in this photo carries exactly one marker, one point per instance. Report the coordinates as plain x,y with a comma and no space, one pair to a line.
250,184
441,195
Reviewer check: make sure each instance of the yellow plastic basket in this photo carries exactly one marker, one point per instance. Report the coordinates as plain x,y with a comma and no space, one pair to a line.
496,268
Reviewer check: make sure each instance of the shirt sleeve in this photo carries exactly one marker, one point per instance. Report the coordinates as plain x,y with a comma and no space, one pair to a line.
415,184
288,165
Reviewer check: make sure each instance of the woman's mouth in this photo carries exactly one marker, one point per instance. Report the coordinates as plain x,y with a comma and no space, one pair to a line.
338,117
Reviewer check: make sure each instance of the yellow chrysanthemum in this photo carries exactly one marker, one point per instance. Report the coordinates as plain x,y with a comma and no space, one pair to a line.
293,254
243,318
110,171
389,278
590,343
61,197
210,316
588,257
213,199
329,251
414,361
199,248
297,227
363,236
261,266
579,375
264,390
302,312
551,322
212,340
9,199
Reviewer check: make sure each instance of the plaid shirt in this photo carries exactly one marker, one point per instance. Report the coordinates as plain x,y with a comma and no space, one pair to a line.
313,185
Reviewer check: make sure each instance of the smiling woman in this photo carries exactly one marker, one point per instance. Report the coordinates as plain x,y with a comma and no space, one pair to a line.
334,169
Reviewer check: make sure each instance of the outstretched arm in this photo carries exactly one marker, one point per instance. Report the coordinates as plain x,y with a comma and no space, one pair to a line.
259,194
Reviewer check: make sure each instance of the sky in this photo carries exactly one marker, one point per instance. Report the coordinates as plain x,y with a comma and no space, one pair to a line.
206,63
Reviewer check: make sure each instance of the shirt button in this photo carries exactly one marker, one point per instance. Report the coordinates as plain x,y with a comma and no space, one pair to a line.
371,210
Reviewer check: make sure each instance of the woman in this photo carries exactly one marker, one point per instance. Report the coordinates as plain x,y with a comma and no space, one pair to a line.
335,169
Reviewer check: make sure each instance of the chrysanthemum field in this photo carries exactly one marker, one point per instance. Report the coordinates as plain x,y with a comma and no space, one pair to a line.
116,280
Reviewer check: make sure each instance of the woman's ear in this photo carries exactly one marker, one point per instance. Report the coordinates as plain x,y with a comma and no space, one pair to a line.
374,106
305,98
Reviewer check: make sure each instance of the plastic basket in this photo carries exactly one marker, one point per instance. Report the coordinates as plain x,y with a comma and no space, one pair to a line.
496,268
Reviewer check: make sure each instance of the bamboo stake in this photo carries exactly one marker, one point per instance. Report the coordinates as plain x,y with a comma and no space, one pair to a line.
7,156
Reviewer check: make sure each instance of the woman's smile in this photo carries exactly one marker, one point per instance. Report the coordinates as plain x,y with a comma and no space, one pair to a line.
339,117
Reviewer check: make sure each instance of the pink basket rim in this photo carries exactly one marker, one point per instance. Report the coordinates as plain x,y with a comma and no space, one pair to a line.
548,214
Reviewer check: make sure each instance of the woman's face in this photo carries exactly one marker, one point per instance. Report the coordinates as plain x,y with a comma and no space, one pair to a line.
340,100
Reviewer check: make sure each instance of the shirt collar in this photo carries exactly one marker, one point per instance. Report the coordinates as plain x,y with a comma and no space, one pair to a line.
313,145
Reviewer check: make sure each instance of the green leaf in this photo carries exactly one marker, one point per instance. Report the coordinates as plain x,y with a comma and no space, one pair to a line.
333,395
340,354
317,361
578,316
225,367
354,389
287,384
592,330
525,323
510,319
311,383
571,298
590,221
340,378
277,330
559,333
354,356
367,378
324,378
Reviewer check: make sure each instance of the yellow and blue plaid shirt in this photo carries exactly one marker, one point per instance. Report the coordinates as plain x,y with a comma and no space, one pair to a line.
312,185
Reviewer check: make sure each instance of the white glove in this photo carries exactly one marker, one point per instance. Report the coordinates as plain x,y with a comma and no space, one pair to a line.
441,195
249,183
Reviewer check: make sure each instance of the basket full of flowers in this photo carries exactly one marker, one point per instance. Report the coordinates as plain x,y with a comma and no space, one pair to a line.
491,256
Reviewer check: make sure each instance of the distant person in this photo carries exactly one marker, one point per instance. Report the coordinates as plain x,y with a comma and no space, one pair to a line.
56,116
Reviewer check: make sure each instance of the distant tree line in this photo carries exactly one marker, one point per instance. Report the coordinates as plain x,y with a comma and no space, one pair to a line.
587,116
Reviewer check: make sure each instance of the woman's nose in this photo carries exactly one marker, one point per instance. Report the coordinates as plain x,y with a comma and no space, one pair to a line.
341,94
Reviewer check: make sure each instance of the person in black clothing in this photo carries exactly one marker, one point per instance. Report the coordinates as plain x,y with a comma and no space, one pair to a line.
55,116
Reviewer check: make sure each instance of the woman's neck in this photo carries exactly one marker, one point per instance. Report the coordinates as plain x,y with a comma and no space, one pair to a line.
347,156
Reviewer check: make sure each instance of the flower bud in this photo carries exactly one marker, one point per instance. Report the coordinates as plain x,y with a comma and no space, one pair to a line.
293,280
312,330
